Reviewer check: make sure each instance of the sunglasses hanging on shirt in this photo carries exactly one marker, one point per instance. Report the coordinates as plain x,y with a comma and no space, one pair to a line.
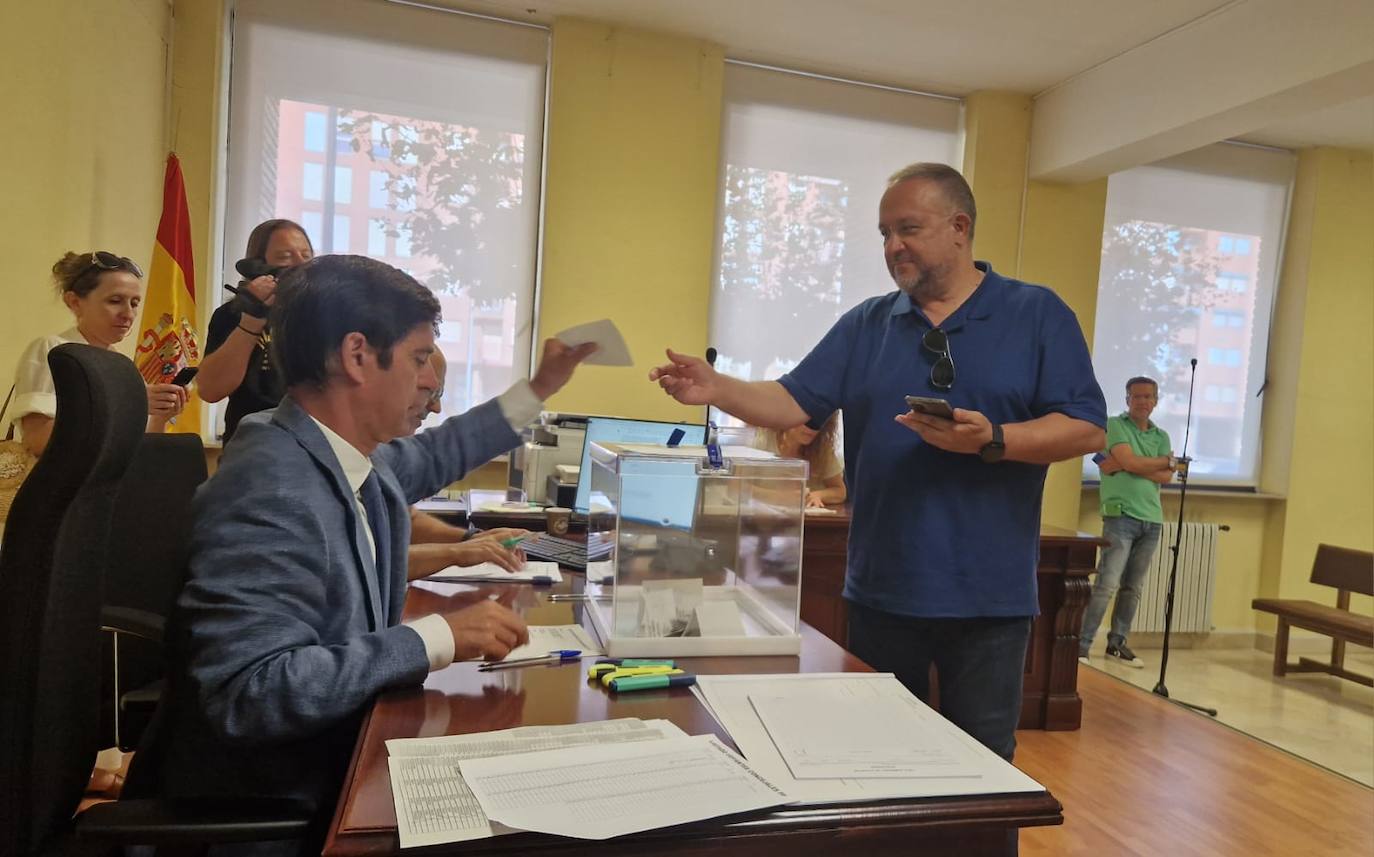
942,373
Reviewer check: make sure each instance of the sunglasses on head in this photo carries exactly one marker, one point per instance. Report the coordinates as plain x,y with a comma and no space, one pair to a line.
942,373
106,261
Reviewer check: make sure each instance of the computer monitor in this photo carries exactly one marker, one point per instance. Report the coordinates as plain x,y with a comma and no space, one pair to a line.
615,430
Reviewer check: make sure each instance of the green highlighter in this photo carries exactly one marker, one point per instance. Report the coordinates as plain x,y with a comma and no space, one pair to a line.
512,541
651,682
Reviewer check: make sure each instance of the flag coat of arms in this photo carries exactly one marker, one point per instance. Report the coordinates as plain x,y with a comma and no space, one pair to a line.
167,343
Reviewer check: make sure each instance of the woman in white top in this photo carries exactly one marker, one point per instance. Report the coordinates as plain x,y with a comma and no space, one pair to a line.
816,446
103,292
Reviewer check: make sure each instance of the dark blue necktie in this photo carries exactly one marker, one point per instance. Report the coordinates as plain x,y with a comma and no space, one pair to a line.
377,519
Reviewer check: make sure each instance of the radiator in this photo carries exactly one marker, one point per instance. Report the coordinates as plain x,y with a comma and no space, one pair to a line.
1197,573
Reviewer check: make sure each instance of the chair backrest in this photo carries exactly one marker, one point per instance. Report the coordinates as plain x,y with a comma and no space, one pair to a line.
1344,568
52,568
149,534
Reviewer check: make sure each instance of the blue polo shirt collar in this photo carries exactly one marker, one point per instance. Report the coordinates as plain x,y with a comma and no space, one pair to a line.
979,305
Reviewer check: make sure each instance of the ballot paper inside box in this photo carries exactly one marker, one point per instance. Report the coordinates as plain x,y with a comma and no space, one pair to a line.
706,560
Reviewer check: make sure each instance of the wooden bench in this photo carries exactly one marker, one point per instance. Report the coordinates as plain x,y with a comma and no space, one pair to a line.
1346,571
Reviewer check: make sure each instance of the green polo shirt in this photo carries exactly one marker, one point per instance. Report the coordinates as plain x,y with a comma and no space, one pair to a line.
1126,493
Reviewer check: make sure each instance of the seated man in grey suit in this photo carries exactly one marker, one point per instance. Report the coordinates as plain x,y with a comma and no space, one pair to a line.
289,624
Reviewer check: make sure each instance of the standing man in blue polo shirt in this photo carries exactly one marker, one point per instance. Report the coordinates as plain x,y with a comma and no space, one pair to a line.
946,512
1138,459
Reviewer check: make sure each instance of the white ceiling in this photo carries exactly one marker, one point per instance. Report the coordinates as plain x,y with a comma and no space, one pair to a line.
950,47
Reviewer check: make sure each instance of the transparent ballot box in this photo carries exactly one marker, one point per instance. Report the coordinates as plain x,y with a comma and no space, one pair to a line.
706,560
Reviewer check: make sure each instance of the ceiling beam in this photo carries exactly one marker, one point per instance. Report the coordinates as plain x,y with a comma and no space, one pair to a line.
1247,65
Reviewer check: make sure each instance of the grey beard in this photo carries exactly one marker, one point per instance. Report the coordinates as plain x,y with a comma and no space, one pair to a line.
921,288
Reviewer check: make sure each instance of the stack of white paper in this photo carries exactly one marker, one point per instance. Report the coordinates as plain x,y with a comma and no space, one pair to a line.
600,792
490,572
554,638
433,802
840,737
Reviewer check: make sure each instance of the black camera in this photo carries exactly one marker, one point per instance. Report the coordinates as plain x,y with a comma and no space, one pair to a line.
245,301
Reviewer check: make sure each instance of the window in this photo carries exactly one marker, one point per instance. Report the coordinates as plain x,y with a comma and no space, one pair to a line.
1194,235
1224,356
1228,318
804,164
314,131
453,166
339,238
376,237
1228,282
313,222
377,196
312,181
343,185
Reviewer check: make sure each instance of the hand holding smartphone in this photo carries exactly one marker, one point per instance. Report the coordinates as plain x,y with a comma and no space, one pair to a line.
930,406
184,377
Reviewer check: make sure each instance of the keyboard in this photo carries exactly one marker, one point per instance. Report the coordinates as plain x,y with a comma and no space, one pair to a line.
572,553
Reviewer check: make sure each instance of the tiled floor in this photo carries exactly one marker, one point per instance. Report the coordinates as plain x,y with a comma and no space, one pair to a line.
1321,718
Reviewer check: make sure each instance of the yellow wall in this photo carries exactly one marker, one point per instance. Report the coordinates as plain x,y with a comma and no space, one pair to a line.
1061,248
630,203
197,53
996,139
1330,495
82,159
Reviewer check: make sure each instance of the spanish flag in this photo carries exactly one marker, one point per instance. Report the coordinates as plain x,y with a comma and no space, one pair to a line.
168,342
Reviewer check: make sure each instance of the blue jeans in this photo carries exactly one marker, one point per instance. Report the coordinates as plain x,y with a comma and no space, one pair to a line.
980,662
1125,563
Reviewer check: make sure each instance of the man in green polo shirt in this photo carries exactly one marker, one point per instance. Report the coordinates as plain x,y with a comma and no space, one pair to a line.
1136,462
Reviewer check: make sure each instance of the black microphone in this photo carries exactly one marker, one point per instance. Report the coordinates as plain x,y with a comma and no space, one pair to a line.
1193,362
711,357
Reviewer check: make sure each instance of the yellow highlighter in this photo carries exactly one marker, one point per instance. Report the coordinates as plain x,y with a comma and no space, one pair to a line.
607,665
624,672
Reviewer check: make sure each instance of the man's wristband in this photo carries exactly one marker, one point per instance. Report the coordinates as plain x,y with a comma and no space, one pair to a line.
252,333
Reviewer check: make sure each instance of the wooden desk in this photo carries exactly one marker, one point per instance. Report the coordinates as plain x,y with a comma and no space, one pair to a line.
461,700
1050,699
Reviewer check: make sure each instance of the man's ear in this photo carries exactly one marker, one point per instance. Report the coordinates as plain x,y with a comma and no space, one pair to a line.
962,224
354,354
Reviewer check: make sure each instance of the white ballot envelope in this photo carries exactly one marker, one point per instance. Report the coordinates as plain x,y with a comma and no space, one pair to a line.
611,347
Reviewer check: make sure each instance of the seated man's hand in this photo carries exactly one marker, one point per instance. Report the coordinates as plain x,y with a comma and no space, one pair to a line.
813,500
557,364
486,630
476,551
499,534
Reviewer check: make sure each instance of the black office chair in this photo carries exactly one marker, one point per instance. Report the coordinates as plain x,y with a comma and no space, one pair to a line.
147,564
52,570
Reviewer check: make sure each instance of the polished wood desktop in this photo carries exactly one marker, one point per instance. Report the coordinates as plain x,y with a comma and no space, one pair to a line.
462,700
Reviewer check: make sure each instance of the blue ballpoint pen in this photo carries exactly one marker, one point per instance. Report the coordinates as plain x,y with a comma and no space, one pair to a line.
555,657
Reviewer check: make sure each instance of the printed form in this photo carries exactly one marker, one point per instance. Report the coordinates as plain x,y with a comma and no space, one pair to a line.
600,792
434,804
816,760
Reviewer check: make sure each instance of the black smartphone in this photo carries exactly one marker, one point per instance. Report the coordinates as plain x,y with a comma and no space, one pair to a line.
933,407
183,378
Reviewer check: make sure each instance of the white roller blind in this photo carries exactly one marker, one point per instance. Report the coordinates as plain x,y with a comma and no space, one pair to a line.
805,162
1190,255
409,135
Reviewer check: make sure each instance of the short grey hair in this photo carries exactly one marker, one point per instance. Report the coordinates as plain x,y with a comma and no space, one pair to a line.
951,182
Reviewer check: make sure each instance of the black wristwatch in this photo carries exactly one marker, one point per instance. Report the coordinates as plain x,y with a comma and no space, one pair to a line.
993,450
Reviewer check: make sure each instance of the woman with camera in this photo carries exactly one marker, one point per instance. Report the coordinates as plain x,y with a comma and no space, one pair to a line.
238,360
103,292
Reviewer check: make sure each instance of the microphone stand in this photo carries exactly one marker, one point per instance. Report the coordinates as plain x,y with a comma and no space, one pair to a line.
710,361
1160,689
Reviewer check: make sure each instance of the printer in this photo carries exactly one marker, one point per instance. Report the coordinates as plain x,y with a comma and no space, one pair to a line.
557,439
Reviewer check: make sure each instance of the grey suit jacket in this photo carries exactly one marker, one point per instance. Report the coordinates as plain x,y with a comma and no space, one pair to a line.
284,632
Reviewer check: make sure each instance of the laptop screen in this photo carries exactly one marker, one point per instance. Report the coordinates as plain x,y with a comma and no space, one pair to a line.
614,430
